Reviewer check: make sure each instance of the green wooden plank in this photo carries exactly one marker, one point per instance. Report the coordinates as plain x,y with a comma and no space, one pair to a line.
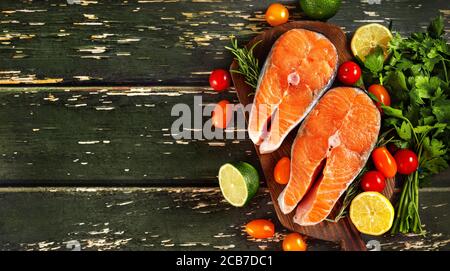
168,219
108,136
132,219
112,136
157,42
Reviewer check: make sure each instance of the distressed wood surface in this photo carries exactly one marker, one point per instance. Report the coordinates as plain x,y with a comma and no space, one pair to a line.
122,136
106,136
112,136
172,42
149,219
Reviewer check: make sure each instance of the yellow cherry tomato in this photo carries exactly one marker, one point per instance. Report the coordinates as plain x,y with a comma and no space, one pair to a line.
294,242
260,228
277,14
282,170
222,114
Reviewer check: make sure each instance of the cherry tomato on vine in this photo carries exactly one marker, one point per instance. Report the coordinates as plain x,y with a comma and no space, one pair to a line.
407,161
219,80
373,181
381,94
277,14
384,162
294,242
282,170
349,73
222,114
260,228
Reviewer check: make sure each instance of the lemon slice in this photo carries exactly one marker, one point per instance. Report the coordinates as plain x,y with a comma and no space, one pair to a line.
368,37
372,213
238,182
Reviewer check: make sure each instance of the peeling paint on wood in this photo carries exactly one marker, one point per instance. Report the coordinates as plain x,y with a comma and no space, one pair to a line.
94,136
99,218
155,42
107,136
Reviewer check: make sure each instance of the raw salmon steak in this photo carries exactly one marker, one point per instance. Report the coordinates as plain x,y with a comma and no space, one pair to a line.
332,146
300,67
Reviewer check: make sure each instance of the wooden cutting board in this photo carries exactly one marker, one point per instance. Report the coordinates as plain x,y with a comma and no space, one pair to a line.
343,231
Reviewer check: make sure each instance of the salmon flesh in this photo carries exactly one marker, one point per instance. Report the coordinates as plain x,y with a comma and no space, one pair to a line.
332,146
300,67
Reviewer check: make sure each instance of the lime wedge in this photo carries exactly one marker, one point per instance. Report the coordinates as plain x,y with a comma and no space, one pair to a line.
238,182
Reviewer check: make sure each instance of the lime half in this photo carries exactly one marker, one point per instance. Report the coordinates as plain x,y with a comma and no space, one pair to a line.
238,182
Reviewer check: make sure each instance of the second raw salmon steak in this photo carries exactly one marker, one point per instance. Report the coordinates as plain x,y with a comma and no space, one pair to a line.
300,67
332,146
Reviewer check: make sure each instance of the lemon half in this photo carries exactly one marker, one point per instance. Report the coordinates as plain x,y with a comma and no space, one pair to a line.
372,213
368,37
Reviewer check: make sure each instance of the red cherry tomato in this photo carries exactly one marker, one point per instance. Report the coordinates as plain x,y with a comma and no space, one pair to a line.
260,228
277,14
349,73
407,161
219,80
222,114
294,242
384,162
382,95
373,181
282,170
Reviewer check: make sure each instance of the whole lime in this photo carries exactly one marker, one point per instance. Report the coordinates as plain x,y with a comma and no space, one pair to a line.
320,9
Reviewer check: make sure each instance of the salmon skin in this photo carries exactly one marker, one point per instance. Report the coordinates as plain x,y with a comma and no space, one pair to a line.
300,67
332,146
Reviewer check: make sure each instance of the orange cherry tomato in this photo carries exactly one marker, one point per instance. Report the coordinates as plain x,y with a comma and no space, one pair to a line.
277,14
384,162
294,242
282,170
221,115
260,228
382,95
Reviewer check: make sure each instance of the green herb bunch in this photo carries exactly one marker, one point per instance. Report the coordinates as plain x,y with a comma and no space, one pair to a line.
416,75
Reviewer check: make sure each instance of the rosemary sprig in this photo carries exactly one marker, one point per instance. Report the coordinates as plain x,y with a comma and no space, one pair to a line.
248,64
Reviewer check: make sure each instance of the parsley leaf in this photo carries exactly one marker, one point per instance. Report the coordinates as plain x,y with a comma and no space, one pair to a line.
375,60
404,132
435,165
441,109
436,27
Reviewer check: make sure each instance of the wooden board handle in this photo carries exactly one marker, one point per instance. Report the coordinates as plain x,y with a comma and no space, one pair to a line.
352,241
